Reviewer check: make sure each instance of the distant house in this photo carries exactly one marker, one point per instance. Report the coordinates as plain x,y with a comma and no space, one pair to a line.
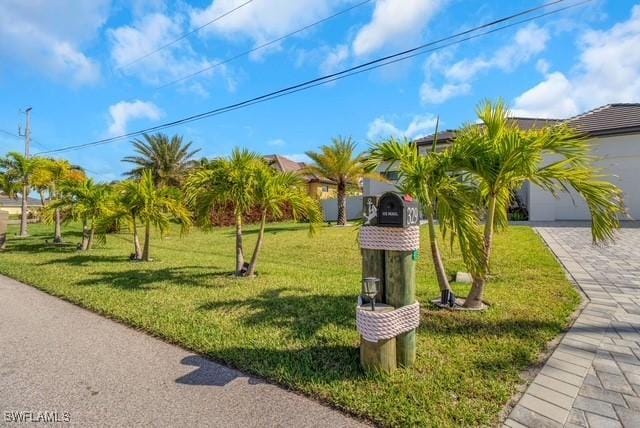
318,187
614,135
13,205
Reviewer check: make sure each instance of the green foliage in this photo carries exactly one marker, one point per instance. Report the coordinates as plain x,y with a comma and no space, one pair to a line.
294,324
169,160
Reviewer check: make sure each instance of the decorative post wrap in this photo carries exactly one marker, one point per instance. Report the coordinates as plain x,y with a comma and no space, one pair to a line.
389,241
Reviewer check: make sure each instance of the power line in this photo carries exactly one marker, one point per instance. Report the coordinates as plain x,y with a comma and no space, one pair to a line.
262,46
184,35
380,62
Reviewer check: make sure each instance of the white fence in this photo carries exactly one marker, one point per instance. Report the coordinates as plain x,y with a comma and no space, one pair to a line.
330,208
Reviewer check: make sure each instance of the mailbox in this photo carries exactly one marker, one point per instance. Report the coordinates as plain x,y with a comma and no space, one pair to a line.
395,210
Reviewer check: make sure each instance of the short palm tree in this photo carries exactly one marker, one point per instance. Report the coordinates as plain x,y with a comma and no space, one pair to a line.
154,206
498,158
339,162
222,183
169,160
87,202
276,192
441,195
18,170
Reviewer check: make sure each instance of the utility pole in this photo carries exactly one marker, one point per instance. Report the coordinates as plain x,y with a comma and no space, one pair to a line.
25,185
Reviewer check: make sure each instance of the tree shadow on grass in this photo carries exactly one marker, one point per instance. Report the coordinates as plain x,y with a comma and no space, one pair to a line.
144,279
85,259
273,230
301,314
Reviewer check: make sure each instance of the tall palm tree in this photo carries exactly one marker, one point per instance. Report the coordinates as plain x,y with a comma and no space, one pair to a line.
339,162
226,182
169,160
498,158
18,170
276,191
440,194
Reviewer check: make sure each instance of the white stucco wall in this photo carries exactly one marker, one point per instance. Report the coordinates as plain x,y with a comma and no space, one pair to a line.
372,187
619,157
330,208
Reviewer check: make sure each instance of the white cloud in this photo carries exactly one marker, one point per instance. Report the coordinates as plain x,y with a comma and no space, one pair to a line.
124,111
260,21
419,126
395,22
527,42
41,35
335,59
130,43
608,70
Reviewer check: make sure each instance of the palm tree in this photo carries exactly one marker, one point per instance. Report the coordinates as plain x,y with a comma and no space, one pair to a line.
276,191
154,206
169,160
87,202
338,162
498,158
440,194
51,176
225,182
18,170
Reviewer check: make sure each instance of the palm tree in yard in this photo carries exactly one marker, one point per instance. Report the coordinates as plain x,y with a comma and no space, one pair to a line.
274,193
339,162
18,170
154,206
226,182
440,194
87,202
168,159
498,158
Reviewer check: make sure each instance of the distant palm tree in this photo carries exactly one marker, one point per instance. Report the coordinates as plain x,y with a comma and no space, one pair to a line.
18,170
169,160
339,162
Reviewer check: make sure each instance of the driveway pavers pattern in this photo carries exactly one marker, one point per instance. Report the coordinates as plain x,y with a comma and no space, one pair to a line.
592,379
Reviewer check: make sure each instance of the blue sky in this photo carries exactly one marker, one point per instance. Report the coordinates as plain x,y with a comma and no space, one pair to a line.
68,60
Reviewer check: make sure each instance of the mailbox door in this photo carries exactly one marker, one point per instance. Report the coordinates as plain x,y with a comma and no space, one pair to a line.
391,210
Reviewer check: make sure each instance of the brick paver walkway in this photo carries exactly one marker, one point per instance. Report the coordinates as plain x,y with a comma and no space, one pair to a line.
593,377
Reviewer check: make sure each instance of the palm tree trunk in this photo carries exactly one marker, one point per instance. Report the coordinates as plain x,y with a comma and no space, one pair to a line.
137,251
42,200
85,236
441,274
23,212
92,233
57,232
254,258
342,204
147,242
476,294
239,252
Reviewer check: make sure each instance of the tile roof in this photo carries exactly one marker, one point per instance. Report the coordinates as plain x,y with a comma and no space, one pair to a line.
610,119
284,164
6,201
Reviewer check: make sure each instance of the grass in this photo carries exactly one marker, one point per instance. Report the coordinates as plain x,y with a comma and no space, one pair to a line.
295,323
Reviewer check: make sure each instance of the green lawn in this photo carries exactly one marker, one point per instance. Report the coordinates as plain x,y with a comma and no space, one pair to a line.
295,323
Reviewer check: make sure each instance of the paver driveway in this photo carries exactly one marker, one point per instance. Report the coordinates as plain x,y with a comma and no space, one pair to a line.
593,378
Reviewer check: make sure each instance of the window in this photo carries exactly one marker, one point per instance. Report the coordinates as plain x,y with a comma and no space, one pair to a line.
325,189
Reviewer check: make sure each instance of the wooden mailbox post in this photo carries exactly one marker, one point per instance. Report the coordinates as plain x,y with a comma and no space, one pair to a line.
389,241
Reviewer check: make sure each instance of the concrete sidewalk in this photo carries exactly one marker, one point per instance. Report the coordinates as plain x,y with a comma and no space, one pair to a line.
57,357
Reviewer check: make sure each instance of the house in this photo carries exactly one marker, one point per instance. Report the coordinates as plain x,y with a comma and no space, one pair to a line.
318,187
13,205
613,131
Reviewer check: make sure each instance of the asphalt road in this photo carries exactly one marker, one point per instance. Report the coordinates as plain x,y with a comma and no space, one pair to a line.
60,361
